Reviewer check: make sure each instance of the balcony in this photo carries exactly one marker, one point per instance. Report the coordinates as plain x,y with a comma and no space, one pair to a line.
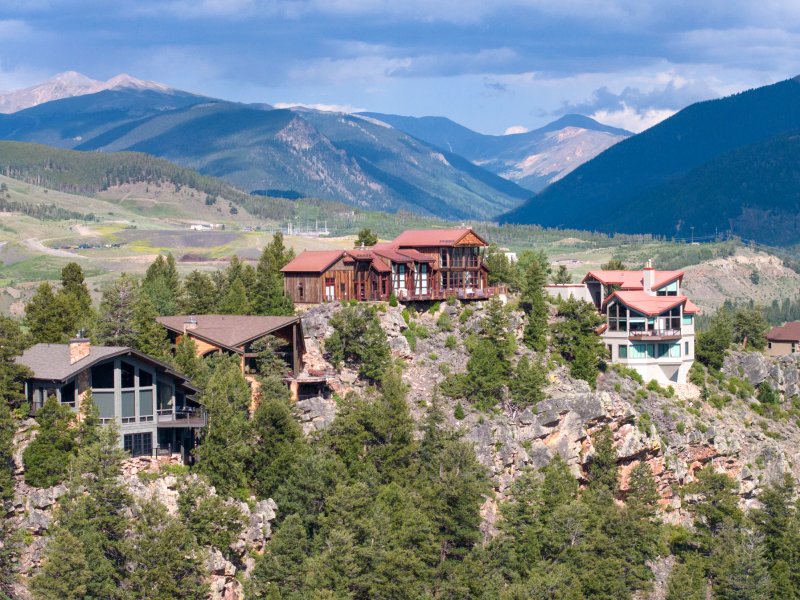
460,293
182,417
655,335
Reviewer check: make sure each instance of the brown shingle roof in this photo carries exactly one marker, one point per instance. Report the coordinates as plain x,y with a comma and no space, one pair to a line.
786,333
229,331
51,361
313,261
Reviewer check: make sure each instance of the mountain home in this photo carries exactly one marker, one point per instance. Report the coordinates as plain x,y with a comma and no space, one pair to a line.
784,340
649,324
428,264
238,334
152,404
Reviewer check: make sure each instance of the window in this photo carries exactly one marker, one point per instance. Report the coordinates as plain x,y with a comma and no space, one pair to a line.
145,378
105,405
300,291
138,444
330,288
688,319
128,406
617,317
126,375
146,405
638,351
164,399
668,290
686,348
103,375
68,394
623,351
444,261
669,351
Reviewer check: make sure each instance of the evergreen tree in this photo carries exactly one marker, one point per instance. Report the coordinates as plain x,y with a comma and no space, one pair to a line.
162,285
224,443
73,282
526,386
561,275
613,264
779,525
501,270
116,325
210,519
687,581
47,457
280,570
188,363
277,440
603,463
49,316
199,294
359,340
575,338
269,296
534,303
366,238
235,300
750,328
12,375
65,573
715,341
166,561
151,336
737,565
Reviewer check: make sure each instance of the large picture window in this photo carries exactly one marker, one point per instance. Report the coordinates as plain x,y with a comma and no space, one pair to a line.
138,444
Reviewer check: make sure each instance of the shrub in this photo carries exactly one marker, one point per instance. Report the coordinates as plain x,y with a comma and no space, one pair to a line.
680,428
451,300
444,322
768,396
406,316
392,299
629,373
465,315
435,307
359,339
644,423
458,413
451,342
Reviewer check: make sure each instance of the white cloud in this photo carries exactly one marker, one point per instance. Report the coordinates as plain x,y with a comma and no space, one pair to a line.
632,119
340,108
516,129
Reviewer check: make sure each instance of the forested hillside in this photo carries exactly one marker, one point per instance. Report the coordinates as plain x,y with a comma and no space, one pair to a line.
475,450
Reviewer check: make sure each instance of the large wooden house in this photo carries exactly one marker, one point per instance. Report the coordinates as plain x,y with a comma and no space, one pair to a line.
428,264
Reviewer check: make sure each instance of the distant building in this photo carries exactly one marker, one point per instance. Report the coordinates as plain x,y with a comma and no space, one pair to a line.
784,340
428,264
153,405
649,324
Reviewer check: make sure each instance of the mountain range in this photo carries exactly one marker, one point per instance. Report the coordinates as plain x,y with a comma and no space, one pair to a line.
721,166
430,165
533,159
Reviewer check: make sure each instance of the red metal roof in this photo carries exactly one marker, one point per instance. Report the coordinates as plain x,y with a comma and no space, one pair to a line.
313,261
647,304
433,237
785,333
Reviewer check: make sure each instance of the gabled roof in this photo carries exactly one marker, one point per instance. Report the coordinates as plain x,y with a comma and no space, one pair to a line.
434,237
313,261
785,333
228,331
647,304
633,280
51,361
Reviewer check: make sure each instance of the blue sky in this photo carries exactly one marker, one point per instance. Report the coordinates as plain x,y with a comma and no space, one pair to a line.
488,64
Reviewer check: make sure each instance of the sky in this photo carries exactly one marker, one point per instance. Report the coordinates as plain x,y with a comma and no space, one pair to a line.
496,66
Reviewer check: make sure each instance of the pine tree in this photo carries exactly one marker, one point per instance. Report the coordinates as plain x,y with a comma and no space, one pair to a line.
235,300
166,560
116,322
151,336
277,439
603,463
269,296
47,458
162,285
359,339
534,304
687,581
576,339
49,317
74,297
188,363
366,238
224,443
199,294
526,386
65,573
562,276
281,567
715,340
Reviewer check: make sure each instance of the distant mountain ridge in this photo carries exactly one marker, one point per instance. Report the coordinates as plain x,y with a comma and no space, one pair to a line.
68,85
533,159
727,165
330,156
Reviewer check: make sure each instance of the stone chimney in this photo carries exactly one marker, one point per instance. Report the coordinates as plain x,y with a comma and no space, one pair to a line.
189,324
648,277
79,348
